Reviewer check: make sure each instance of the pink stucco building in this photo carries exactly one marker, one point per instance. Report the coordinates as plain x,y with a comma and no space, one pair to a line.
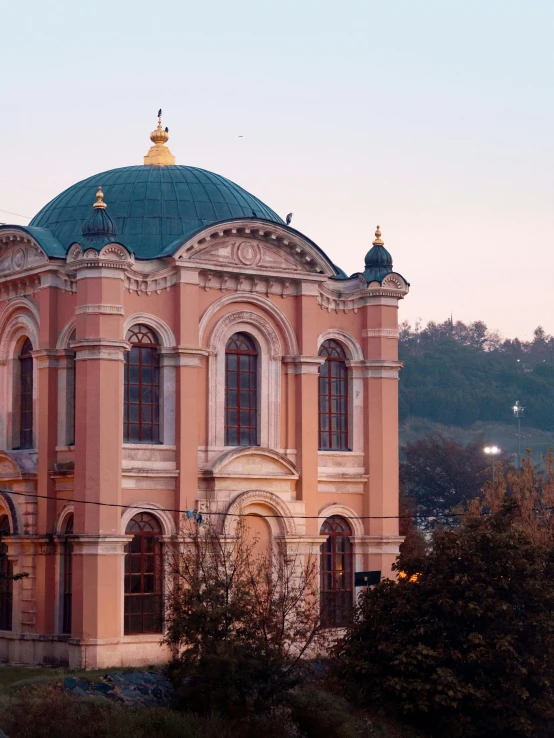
169,343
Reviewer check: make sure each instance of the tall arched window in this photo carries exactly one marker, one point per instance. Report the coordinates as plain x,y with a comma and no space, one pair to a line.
141,412
6,581
143,576
26,396
333,398
241,391
67,578
336,596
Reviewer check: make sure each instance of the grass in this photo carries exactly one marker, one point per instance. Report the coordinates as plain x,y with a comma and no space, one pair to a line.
34,705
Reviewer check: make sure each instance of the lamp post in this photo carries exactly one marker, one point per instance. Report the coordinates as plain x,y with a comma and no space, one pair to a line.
518,414
492,451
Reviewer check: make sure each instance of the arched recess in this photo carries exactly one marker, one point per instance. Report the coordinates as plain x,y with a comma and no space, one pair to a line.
354,355
66,512
9,508
66,384
167,344
269,375
351,346
345,512
160,327
290,344
264,503
166,520
18,321
65,334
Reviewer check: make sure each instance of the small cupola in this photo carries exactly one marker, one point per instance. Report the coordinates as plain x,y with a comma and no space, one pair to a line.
99,226
378,261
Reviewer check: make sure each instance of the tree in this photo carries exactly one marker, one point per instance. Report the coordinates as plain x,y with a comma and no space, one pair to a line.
440,474
463,643
239,622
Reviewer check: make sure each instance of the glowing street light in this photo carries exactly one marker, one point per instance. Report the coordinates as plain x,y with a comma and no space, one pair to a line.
518,414
492,451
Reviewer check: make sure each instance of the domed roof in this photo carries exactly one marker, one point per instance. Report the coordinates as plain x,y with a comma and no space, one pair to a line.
151,206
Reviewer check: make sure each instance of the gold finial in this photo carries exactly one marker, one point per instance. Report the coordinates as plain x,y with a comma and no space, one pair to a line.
99,204
378,241
159,155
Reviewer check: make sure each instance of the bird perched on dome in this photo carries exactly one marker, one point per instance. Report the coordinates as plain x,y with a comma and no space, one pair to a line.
159,155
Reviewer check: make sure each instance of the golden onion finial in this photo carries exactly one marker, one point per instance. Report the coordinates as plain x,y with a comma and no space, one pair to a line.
99,204
378,241
159,154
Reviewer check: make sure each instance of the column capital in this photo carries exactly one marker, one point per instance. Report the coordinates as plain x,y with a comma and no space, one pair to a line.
377,544
85,544
100,348
380,368
303,364
183,355
49,358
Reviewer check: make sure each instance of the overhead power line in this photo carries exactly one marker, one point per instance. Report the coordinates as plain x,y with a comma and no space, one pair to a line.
235,515
19,215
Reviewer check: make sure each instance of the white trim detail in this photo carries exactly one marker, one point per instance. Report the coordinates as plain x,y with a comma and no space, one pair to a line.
165,519
381,333
286,329
61,522
352,347
345,512
269,376
162,330
251,502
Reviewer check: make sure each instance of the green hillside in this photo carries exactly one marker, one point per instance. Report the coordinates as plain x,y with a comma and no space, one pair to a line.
464,379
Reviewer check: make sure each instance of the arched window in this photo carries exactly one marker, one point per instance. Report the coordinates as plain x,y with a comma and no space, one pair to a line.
71,393
26,396
67,578
6,581
143,576
336,596
333,398
241,391
141,412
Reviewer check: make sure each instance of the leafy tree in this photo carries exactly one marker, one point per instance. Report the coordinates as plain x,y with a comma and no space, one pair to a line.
457,374
440,474
239,622
463,643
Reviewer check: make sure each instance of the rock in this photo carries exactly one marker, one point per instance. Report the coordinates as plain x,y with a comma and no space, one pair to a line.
69,683
78,692
102,687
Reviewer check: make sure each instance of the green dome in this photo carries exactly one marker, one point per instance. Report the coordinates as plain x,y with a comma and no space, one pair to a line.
151,207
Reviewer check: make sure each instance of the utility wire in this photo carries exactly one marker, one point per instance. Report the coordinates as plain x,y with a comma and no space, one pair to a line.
19,215
235,515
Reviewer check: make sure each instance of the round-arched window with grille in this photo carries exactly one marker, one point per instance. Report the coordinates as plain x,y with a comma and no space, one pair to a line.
333,398
336,590
241,391
141,410
143,576
26,395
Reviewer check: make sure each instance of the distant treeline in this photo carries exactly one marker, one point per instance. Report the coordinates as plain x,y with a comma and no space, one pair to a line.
457,374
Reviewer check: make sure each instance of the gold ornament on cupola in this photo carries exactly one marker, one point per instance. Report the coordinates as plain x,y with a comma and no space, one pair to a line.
159,155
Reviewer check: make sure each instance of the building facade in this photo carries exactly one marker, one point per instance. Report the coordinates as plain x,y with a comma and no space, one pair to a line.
169,343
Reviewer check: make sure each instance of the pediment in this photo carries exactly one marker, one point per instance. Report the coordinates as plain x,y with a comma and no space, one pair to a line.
257,463
247,254
8,467
245,245
18,256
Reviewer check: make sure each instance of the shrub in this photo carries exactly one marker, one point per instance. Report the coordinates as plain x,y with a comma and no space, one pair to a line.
466,646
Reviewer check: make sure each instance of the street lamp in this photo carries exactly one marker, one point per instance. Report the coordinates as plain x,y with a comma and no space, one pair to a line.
492,451
518,413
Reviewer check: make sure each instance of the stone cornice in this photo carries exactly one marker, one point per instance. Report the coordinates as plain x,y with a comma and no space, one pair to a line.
98,545
375,368
381,333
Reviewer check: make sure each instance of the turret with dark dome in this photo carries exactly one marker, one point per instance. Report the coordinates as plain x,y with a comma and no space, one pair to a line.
152,206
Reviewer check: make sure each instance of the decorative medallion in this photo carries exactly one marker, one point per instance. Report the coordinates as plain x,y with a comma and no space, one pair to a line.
19,260
249,253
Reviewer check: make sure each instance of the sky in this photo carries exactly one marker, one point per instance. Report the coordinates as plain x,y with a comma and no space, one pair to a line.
433,119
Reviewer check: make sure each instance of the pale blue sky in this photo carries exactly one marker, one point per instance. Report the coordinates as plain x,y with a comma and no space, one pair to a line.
434,119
